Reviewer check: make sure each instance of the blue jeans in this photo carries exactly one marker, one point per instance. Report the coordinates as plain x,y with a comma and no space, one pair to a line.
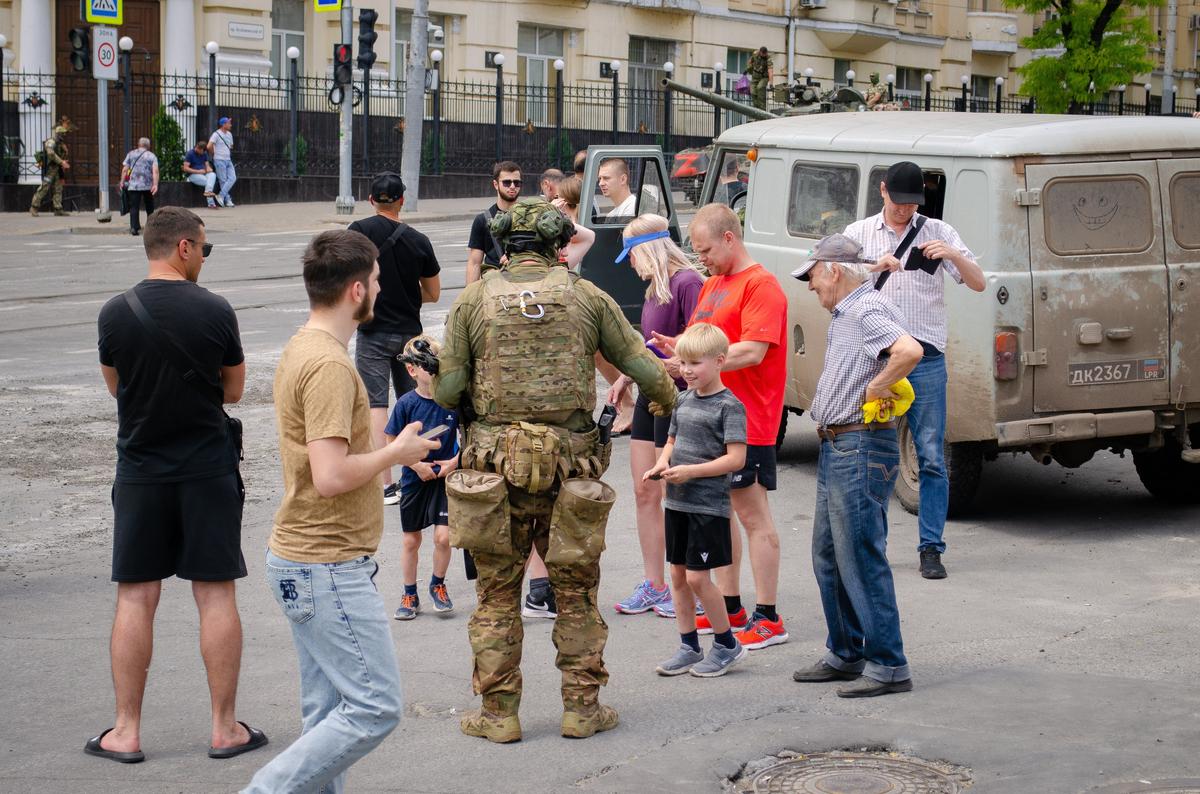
855,476
350,697
227,175
927,423
207,181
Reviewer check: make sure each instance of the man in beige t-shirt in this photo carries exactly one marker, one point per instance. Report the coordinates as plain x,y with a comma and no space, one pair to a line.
320,566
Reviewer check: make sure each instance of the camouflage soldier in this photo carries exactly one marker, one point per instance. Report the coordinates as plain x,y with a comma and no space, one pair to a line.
761,72
519,349
53,161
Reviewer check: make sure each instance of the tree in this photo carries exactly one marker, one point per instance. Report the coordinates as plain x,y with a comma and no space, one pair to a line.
1104,43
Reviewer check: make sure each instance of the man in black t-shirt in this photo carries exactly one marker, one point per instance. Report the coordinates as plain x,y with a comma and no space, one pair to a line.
408,277
483,252
177,498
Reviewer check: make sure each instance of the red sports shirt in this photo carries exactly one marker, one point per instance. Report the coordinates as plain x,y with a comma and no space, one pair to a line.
750,307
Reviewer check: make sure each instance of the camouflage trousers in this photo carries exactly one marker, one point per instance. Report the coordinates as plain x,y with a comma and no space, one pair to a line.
52,183
495,628
758,93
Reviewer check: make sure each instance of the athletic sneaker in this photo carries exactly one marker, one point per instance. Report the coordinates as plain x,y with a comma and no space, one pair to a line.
391,494
441,599
738,621
681,662
762,633
667,609
540,605
643,599
719,660
410,605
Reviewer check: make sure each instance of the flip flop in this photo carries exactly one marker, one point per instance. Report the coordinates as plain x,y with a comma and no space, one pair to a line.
93,748
257,739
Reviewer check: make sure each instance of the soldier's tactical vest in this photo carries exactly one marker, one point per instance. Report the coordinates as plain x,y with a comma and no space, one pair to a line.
533,367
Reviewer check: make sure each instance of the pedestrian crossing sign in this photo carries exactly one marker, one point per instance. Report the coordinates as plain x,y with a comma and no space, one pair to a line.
103,12
327,5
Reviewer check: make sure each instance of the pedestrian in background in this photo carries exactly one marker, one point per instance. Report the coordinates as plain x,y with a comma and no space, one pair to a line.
483,252
761,71
139,175
220,149
548,183
567,203
199,170
320,564
54,165
177,499
917,287
409,276
673,287
867,352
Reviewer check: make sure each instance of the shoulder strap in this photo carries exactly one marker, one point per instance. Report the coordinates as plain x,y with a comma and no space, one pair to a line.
487,216
393,238
174,355
900,249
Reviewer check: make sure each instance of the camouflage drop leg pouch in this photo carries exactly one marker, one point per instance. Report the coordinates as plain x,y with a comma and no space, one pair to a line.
479,512
577,523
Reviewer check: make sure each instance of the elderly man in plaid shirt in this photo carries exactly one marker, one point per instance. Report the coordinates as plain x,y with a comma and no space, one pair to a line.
916,286
868,352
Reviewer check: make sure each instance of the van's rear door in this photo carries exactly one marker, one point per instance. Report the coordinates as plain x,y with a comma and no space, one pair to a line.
1179,181
1101,336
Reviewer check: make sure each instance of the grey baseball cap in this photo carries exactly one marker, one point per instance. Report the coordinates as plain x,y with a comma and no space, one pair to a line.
834,248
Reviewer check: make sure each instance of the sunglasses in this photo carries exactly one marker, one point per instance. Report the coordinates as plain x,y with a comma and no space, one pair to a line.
205,249
510,182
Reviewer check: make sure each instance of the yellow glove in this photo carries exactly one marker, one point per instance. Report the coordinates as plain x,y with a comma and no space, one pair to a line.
879,411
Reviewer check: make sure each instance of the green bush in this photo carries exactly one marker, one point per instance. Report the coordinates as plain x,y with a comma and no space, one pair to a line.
166,138
301,154
427,164
559,151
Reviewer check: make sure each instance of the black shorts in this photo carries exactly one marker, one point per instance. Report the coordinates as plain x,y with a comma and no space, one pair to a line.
648,427
700,542
424,505
375,359
190,529
759,468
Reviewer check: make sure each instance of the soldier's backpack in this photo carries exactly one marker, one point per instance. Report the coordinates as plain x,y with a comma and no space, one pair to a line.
40,156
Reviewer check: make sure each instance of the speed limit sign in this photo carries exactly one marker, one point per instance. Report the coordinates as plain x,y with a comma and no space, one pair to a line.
104,52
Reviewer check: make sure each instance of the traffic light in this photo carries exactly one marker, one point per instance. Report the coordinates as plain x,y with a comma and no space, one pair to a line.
81,49
366,38
343,67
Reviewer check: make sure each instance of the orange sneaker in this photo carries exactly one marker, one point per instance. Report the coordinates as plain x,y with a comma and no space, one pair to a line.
737,621
763,633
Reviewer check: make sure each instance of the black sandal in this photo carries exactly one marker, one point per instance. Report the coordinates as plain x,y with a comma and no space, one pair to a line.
93,748
257,739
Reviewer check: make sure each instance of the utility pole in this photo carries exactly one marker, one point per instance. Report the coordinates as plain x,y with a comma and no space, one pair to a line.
1168,79
414,105
344,205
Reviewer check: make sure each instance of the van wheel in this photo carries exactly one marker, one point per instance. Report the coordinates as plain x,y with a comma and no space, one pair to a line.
964,467
1166,475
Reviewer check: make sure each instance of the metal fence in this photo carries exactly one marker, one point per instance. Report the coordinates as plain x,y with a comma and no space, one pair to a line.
538,126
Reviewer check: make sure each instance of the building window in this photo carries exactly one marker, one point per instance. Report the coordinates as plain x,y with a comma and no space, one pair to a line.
840,67
537,48
287,30
910,81
401,32
645,107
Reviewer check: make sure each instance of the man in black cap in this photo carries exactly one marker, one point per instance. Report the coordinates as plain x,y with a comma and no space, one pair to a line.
915,284
408,277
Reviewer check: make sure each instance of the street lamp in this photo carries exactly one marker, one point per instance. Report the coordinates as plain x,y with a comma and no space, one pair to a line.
928,90
808,73
850,75
125,44
212,48
891,83
615,67
999,92
966,78
3,139
1147,87
559,66
718,68
293,55
498,62
669,68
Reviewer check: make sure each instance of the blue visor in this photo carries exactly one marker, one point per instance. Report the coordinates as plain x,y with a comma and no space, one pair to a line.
629,243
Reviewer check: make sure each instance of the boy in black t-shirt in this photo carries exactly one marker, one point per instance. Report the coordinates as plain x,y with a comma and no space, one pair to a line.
408,277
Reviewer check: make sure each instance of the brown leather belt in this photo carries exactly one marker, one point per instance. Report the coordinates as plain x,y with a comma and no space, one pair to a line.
830,432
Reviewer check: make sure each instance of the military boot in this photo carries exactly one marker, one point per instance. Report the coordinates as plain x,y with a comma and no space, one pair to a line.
61,211
34,211
493,727
580,725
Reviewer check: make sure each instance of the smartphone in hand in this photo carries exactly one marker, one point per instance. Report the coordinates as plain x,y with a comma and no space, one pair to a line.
429,435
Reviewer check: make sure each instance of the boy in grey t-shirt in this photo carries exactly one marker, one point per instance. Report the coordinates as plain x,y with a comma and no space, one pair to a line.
706,442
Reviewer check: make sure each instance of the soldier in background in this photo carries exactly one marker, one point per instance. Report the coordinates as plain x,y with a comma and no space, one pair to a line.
54,165
761,72
519,345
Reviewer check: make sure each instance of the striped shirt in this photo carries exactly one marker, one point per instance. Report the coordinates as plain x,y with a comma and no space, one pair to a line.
919,295
864,325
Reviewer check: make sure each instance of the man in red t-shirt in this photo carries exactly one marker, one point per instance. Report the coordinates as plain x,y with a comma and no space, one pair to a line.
746,302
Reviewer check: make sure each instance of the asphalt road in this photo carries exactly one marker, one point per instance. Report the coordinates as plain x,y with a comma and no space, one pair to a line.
1058,656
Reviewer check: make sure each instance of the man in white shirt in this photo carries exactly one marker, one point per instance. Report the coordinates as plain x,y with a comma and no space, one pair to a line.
614,185
220,148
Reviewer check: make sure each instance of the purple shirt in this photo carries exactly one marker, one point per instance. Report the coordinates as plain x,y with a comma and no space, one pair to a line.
669,319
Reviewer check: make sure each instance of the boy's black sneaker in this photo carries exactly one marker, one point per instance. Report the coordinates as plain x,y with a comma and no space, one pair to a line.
540,604
931,565
391,494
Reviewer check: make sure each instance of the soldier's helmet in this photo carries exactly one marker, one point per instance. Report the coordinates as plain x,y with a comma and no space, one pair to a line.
60,131
533,225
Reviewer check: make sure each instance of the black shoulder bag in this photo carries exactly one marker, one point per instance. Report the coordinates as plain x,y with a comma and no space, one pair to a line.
900,249
186,366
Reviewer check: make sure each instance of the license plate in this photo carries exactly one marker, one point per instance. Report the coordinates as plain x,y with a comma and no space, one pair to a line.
1125,371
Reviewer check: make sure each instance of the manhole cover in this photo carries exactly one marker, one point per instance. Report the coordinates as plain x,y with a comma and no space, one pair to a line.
854,773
